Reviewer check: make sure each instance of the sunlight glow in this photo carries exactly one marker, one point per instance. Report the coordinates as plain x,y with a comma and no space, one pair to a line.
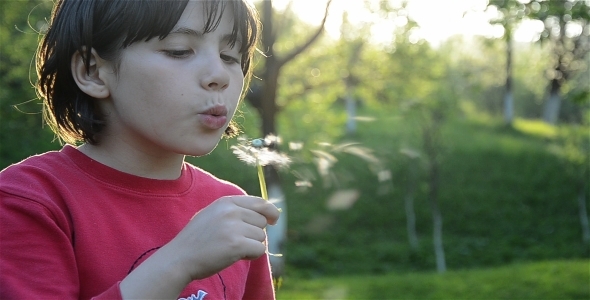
438,20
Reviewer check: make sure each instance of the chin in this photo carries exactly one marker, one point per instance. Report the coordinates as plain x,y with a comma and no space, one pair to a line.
201,151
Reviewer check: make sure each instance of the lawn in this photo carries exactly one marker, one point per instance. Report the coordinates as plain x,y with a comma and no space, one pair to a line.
539,280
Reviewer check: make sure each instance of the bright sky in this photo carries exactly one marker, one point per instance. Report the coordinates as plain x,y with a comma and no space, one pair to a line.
438,19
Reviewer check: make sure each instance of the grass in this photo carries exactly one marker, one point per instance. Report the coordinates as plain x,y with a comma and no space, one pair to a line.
540,280
535,128
505,199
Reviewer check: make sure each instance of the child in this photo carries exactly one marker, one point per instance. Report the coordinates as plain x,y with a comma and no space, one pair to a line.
141,84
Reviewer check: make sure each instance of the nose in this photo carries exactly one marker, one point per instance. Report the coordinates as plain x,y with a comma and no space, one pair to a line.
215,76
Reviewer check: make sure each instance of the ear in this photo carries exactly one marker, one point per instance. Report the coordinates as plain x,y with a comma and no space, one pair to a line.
91,80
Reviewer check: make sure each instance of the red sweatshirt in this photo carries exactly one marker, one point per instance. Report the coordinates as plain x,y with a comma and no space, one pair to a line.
72,228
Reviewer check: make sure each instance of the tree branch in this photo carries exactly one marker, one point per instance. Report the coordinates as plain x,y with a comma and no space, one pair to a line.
307,86
311,40
268,35
288,12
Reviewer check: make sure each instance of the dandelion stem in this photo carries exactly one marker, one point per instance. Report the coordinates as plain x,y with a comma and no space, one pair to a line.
261,180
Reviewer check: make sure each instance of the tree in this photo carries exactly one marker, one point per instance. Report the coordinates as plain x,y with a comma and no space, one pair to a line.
412,180
511,12
416,84
566,30
353,41
21,132
573,148
263,97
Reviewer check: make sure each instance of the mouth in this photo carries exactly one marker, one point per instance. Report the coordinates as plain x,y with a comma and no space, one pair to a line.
214,118
217,111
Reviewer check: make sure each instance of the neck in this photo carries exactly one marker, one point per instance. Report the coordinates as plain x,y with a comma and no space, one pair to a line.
124,158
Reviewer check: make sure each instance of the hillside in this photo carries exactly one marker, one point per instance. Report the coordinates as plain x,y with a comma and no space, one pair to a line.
504,197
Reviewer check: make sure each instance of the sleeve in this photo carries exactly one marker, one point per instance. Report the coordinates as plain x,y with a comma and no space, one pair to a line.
37,259
259,283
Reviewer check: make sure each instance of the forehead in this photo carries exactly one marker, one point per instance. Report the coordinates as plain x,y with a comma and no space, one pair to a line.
206,16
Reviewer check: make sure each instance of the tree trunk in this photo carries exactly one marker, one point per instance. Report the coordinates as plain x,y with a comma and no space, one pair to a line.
278,232
431,140
264,100
350,112
351,82
551,111
553,105
508,108
409,205
508,95
583,214
437,236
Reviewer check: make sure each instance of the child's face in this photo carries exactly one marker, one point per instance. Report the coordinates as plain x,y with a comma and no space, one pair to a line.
176,95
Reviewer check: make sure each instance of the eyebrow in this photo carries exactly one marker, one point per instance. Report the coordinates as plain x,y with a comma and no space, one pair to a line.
188,31
191,32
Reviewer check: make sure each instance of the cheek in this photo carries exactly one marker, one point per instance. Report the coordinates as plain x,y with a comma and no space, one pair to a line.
149,87
238,87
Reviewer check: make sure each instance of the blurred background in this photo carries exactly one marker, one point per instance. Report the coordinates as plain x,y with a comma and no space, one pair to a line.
440,149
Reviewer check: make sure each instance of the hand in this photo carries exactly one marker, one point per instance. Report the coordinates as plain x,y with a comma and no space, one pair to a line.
228,230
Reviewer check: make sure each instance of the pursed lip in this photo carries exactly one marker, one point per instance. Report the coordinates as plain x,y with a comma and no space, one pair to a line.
218,110
214,118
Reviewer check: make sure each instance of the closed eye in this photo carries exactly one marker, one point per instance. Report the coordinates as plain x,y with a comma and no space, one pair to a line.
177,53
229,59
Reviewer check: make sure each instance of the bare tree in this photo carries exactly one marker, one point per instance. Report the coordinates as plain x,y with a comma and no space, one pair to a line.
263,97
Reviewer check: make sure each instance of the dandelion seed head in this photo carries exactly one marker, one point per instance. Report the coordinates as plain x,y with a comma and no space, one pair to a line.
272,139
244,154
256,152
270,157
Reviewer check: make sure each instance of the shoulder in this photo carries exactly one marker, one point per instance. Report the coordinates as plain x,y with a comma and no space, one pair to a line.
36,168
34,189
38,160
38,177
206,181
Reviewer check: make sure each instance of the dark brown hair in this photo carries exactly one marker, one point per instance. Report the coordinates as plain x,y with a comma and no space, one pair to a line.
108,26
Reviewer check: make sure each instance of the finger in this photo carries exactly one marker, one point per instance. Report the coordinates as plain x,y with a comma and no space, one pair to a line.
253,249
259,205
254,233
253,218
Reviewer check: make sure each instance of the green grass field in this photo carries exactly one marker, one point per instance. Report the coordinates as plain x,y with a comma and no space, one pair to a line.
541,280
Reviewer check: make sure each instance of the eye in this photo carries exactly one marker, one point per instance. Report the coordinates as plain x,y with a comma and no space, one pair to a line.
178,53
230,59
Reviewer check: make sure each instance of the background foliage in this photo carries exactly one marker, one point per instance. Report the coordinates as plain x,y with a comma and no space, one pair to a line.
507,195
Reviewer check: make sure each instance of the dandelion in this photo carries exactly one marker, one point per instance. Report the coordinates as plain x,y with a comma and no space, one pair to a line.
257,153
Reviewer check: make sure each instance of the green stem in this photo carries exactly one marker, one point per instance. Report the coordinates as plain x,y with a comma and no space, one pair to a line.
262,181
264,193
